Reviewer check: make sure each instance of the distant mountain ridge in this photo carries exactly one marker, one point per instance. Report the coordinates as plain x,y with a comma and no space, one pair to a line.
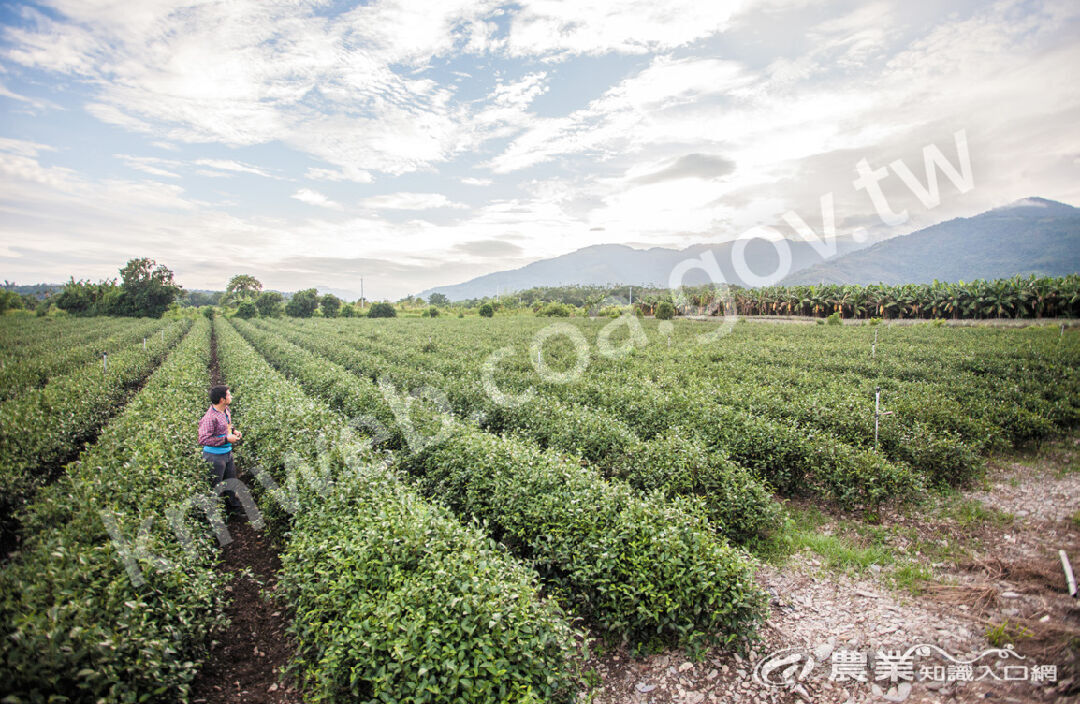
1030,236
619,264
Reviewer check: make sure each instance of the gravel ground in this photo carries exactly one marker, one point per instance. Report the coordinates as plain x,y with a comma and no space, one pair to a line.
1009,579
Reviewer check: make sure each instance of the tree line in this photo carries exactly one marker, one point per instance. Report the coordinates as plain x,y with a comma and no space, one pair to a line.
1017,297
148,289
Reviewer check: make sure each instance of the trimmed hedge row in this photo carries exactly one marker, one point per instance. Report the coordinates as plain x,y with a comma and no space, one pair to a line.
75,626
989,388
44,428
795,459
60,355
21,336
738,504
643,569
394,599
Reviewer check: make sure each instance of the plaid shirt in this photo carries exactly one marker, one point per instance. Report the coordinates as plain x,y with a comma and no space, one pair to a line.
213,427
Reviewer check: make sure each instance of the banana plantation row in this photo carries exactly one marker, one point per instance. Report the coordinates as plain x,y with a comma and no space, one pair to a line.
1018,297
462,502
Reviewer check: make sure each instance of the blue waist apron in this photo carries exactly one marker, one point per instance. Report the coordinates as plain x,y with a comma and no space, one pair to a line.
218,449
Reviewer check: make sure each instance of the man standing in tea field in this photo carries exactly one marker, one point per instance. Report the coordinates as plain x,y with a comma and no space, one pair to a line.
216,435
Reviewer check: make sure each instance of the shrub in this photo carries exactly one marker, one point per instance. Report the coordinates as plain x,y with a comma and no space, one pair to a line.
302,304
738,504
486,310
72,407
394,598
382,310
665,311
640,567
330,305
246,309
76,627
833,319
555,310
433,312
270,304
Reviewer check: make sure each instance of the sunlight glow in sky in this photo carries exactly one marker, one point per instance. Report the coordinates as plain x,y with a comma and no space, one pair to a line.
424,143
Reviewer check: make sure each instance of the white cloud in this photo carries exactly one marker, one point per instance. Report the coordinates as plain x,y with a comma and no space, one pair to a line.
793,95
345,173
553,27
231,166
23,147
410,201
628,114
154,166
306,195
36,103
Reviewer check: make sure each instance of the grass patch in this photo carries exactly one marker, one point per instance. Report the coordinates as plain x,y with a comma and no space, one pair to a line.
1005,633
1075,518
968,513
802,530
841,553
911,577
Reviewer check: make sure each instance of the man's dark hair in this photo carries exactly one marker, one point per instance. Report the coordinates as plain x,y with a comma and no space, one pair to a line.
217,393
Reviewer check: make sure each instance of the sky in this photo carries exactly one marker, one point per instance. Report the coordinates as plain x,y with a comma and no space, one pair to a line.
417,144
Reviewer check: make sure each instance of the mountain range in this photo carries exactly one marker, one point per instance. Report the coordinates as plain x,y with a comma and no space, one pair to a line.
614,264
1029,236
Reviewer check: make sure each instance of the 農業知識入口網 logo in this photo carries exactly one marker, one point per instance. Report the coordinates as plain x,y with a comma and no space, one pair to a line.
891,673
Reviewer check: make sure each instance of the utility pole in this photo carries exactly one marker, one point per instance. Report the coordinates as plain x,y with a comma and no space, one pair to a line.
631,295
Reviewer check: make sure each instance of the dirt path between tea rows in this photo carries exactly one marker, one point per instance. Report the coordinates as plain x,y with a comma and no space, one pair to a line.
248,660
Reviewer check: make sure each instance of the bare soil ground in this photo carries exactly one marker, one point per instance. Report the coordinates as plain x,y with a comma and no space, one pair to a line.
247,664
964,573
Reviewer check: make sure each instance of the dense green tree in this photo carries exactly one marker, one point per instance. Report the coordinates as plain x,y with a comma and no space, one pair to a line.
382,310
247,309
270,304
146,289
554,310
302,304
486,310
87,298
9,300
197,299
665,310
330,305
243,286
438,299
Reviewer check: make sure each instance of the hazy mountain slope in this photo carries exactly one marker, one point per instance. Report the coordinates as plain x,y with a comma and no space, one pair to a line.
620,264
1030,236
